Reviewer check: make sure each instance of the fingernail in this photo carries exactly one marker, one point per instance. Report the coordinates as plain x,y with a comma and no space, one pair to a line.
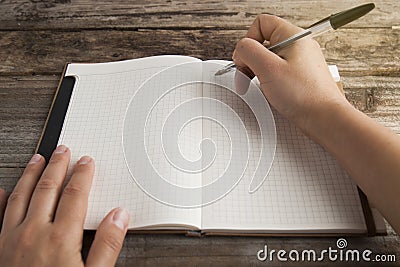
121,218
35,159
84,160
60,149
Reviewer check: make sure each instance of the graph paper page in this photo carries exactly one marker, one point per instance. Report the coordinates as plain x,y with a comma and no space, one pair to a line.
306,189
93,126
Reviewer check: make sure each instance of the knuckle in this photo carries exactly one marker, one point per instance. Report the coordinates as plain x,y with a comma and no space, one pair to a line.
46,184
16,196
25,238
239,44
112,242
263,17
57,237
73,190
243,43
259,17
266,18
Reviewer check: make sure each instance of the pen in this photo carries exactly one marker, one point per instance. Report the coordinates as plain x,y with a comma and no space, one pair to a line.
329,23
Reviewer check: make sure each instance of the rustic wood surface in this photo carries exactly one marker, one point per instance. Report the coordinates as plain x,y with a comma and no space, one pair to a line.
38,37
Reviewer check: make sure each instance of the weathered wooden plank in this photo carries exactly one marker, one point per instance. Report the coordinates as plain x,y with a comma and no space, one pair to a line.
363,52
356,51
378,97
9,177
24,104
85,14
175,250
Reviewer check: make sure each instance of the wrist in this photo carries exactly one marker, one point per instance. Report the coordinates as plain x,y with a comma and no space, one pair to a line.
326,119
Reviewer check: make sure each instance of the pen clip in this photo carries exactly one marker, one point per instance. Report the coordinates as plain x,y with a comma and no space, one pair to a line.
321,21
342,18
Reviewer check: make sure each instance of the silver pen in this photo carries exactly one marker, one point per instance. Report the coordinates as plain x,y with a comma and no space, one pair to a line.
330,23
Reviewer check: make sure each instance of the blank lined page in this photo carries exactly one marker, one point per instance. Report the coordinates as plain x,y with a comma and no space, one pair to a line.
93,126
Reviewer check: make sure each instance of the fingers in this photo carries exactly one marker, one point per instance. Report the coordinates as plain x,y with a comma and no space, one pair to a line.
260,60
251,54
3,200
18,201
45,197
71,210
271,28
109,239
242,81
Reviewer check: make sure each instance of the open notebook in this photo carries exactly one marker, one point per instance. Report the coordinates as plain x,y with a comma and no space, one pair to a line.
305,192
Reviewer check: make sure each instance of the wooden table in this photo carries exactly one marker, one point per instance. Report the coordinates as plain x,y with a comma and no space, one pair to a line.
38,37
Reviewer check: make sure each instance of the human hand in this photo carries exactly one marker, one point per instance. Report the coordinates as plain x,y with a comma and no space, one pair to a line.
43,224
296,81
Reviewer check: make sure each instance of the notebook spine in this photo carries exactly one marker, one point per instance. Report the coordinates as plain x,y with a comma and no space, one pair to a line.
193,233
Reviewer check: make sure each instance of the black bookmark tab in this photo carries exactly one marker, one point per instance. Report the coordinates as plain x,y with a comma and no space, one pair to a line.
55,119
369,217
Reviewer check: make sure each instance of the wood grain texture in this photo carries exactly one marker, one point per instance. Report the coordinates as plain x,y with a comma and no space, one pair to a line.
46,52
24,104
38,37
87,14
173,250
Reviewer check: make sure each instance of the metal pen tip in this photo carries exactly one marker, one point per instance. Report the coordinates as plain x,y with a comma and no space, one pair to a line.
225,69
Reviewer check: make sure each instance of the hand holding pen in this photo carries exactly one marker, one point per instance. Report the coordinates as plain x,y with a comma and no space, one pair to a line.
297,82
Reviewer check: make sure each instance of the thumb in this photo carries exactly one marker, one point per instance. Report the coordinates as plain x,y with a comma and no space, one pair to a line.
109,238
251,54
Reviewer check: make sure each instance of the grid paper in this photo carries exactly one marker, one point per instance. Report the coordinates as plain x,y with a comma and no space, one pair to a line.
305,189
93,126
